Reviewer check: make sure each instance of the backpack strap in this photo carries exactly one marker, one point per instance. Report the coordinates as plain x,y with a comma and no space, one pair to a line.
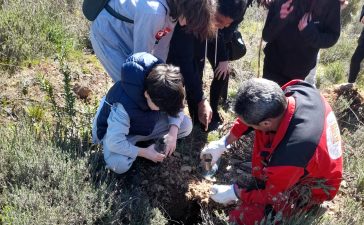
117,15
123,18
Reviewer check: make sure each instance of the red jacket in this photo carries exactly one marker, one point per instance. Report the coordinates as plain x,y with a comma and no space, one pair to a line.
306,147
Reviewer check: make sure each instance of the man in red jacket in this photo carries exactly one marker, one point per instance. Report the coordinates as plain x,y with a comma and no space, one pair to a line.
297,147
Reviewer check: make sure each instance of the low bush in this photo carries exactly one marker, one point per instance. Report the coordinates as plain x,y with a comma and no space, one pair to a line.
30,30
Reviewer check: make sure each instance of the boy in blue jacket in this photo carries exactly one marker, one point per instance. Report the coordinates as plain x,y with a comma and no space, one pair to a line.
144,105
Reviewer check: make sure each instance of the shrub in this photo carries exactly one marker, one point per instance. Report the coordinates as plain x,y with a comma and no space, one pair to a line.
349,12
342,51
42,185
333,73
34,29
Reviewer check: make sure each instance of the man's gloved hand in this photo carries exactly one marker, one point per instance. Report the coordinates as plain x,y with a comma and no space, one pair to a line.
223,194
215,148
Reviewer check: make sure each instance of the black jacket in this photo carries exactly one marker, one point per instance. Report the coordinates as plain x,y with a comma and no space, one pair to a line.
188,52
362,13
183,52
292,53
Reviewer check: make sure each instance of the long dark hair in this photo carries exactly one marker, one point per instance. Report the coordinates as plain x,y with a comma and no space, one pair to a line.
199,15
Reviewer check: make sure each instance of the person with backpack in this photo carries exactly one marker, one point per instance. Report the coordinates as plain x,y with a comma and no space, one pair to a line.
295,31
358,55
125,27
145,104
189,54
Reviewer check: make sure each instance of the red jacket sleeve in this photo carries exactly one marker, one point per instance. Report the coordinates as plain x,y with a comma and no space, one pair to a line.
239,128
279,180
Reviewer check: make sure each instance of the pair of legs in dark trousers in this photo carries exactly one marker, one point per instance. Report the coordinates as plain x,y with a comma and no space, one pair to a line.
356,59
218,87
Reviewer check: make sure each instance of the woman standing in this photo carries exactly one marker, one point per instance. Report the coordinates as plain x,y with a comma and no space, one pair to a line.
147,27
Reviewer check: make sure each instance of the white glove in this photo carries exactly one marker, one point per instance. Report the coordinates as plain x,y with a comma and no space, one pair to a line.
215,148
223,194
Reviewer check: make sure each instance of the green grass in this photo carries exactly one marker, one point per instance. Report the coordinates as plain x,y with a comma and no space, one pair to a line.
31,30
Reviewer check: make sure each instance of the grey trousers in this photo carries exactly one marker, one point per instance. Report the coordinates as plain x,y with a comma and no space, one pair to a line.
121,163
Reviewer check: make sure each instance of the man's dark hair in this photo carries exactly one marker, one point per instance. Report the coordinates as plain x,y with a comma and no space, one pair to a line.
199,16
235,9
258,100
164,84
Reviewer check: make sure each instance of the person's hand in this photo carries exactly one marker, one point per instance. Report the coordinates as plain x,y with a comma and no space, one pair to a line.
286,9
362,20
204,113
222,70
343,4
170,140
215,148
265,3
304,21
223,194
151,154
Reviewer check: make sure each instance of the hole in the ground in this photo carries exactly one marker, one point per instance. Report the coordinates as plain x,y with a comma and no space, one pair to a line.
184,212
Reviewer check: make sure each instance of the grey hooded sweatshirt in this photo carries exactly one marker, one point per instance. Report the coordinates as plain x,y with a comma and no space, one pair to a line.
114,40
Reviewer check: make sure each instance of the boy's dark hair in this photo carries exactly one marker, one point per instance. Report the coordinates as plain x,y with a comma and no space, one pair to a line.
164,84
199,15
259,99
235,9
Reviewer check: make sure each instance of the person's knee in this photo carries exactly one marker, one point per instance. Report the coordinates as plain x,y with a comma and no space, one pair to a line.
118,163
185,127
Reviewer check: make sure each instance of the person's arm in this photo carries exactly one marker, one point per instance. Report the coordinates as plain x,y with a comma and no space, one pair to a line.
327,38
170,138
176,120
222,54
146,26
239,129
217,148
361,14
276,20
182,54
280,179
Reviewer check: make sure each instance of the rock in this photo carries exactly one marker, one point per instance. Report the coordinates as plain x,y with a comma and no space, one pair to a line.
186,158
344,87
236,161
159,188
239,171
82,92
177,154
145,182
344,184
165,174
186,168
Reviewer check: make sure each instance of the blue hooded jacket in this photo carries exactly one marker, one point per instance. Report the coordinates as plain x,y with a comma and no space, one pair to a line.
129,91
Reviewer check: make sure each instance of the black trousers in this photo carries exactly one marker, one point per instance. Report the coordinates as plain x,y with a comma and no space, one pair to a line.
219,87
356,59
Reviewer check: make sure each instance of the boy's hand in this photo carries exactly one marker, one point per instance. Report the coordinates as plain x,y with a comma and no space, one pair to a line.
151,154
286,9
170,140
362,20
